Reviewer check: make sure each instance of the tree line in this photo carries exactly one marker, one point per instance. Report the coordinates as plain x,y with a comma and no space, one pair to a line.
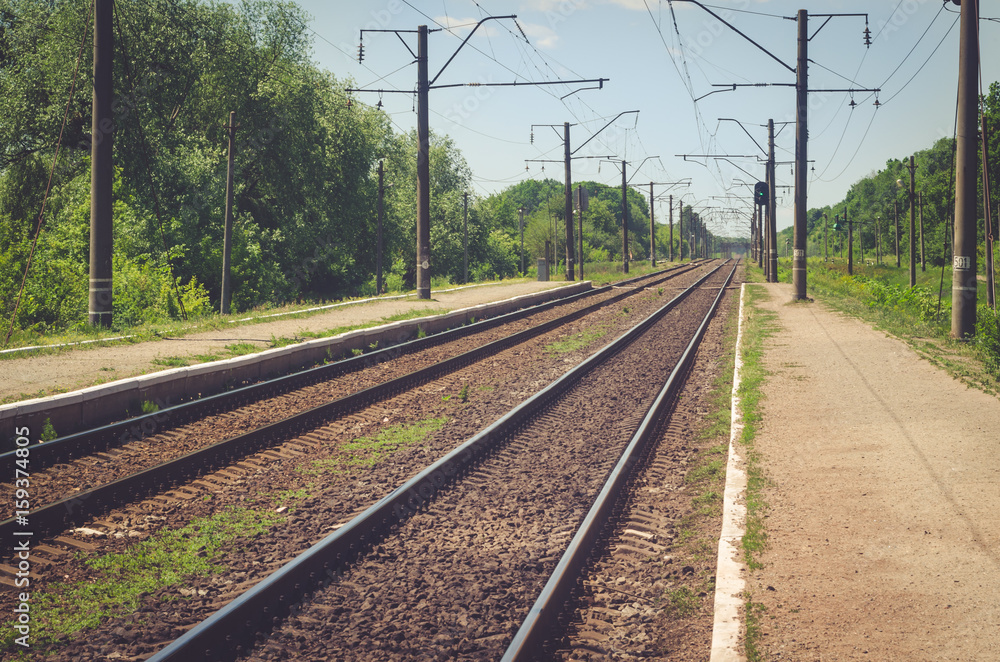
306,192
875,202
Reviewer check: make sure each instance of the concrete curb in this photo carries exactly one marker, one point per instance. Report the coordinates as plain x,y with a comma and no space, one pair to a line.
730,571
98,405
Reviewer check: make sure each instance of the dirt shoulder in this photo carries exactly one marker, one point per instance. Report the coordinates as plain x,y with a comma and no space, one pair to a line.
75,368
884,538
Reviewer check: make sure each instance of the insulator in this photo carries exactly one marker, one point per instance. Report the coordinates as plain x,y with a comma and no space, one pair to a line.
532,137
361,52
379,104
868,36
852,104
877,103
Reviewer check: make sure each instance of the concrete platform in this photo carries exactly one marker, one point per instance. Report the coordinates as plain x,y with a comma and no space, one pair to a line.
96,384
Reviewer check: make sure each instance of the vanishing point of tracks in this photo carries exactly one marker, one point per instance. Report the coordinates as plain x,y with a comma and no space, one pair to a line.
451,570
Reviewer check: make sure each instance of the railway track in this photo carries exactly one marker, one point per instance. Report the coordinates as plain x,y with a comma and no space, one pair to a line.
448,563
81,476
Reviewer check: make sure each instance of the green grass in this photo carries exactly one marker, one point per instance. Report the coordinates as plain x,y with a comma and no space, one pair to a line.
242,348
120,579
759,325
681,602
368,451
576,341
880,295
171,361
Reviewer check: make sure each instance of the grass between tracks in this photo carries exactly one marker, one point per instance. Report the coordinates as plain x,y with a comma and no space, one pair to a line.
113,584
758,326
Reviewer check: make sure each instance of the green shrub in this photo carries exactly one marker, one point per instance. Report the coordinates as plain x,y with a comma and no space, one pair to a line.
988,338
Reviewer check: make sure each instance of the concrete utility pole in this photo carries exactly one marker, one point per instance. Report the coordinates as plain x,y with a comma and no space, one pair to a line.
624,220
913,223
101,169
423,170
378,238
670,249
465,230
520,215
424,85
801,168
895,215
850,243
680,229
227,232
652,234
579,194
772,231
963,286
568,203
826,243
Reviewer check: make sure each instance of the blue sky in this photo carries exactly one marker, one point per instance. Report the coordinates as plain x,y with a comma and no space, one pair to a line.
658,58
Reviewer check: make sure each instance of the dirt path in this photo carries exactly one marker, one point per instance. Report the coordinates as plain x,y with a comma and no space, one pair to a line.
78,368
884,528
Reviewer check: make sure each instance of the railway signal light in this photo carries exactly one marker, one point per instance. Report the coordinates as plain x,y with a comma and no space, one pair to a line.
760,196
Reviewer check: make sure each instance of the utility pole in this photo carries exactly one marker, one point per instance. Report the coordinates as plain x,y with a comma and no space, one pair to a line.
913,223
895,215
850,243
772,229
963,286
579,194
801,169
101,169
520,214
424,85
465,229
227,232
378,238
423,170
568,186
624,220
680,229
670,249
568,207
826,243
652,235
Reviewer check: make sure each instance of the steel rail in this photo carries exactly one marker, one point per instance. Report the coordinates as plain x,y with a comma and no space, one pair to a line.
233,629
107,436
541,621
78,508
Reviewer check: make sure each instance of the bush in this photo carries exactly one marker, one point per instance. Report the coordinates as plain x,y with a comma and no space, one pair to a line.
988,338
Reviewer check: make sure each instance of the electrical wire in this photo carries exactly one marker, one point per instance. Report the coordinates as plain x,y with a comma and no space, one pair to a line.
924,64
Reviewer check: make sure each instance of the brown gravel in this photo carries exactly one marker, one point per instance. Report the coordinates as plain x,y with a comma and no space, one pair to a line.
494,386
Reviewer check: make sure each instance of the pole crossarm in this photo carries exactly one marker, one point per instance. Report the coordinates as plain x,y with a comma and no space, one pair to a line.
519,83
466,40
740,33
594,135
636,169
724,157
730,119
